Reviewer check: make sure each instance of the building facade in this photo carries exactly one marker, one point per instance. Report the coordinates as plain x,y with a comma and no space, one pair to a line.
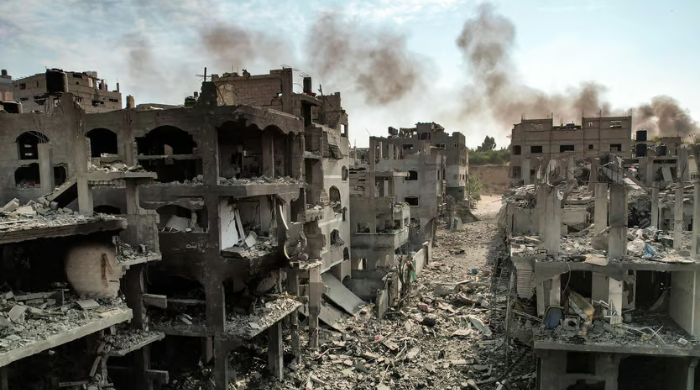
535,141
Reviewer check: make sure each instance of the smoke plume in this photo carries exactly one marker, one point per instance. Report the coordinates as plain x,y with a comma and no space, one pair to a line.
374,63
487,42
231,45
665,117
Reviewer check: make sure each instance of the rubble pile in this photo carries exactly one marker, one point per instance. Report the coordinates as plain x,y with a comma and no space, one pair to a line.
223,181
647,329
647,244
25,318
126,339
114,167
449,335
524,196
125,252
42,214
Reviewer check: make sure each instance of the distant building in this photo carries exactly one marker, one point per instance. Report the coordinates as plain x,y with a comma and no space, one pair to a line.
91,92
535,141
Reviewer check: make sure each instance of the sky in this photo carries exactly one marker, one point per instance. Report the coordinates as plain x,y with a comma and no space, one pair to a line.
395,62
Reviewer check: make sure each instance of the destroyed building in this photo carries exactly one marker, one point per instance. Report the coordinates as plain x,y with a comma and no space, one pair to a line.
71,280
535,141
607,304
41,91
423,189
414,139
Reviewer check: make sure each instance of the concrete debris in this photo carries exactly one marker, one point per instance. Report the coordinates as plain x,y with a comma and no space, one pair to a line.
261,180
410,348
35,215
114,167
88,304
42,317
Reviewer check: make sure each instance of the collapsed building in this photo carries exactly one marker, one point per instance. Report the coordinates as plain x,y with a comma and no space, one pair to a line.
250,210
608,304
535,141
71,280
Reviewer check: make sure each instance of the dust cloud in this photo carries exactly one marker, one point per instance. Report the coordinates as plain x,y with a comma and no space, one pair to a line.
376,63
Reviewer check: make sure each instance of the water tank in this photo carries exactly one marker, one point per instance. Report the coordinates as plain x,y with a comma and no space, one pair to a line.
641,135
641,150
56,81
661,150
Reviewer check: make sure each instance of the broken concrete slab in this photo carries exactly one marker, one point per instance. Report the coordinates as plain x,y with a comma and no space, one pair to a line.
88,304
16,314
483,328
341,295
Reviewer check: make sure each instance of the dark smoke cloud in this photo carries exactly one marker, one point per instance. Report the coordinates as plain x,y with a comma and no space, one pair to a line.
666,117
375,63
142,64
231,45
487,42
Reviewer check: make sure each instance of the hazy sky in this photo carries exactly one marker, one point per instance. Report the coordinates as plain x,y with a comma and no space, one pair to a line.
155,48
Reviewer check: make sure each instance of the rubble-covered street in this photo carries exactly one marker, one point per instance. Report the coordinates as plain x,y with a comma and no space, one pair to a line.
449,335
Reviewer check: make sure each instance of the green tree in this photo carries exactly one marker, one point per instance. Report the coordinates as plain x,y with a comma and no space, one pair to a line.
488,144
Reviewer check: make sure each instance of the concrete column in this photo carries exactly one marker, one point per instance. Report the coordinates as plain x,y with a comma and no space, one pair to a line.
275,351
293,290
600,217
380,151
132,198
207,349
525,171
570,168
221,372
268,154
390,152
608,367
617,245
370,181
683,168
46,178
85,206
696,220
552,221
655,204
593,178
600,287
391,188
650,174
678,216
541,209
316,289
690,377
615,299
4,378
555,291
215,305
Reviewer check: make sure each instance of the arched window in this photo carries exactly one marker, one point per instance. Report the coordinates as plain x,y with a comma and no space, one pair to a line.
27,144
345,174
412,175
335,238
334,195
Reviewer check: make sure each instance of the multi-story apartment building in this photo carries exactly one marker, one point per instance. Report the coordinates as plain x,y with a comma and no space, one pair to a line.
414,139
41,91
535,141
